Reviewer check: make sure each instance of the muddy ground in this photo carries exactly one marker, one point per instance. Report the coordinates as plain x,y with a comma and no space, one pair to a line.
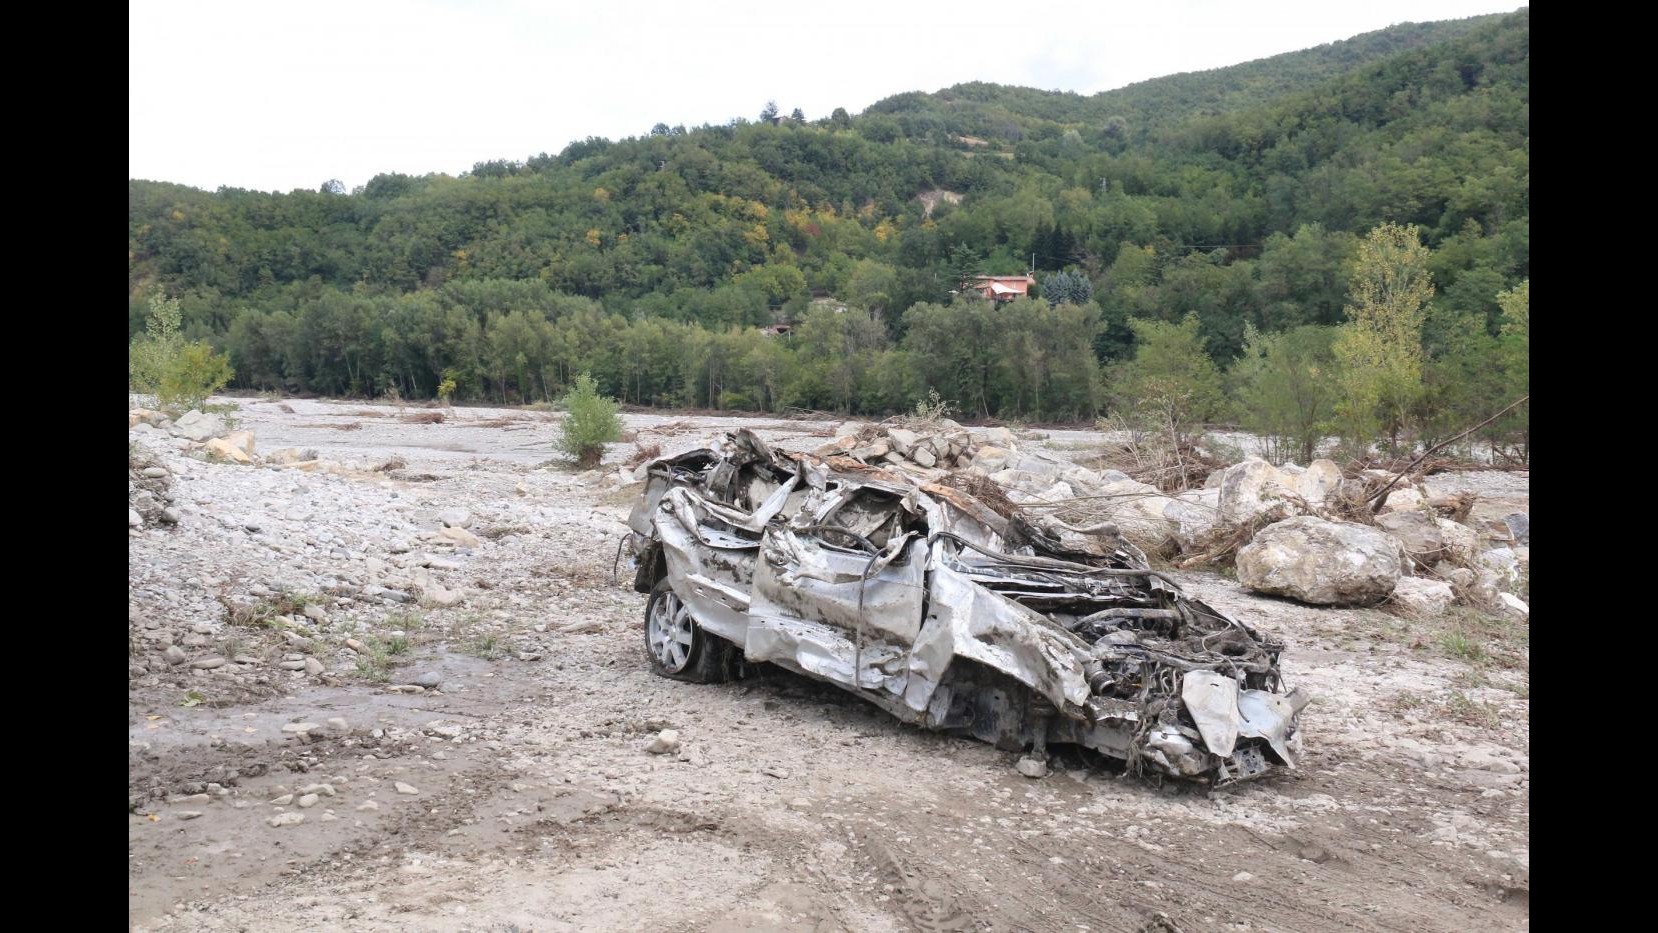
790,806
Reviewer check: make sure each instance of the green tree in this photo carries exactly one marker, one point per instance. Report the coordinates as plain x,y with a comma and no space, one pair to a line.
1380,346
1171,382
1286,388
590,422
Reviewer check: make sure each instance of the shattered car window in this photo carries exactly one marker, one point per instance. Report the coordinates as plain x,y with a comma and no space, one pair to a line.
934,597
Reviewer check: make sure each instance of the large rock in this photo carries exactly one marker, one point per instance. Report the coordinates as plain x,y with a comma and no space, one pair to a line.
1519,526
991,459
197,426
220,449
1196,513
1418,532
138,416
1403,498
1462,544
1137,509
241,440
999,437
1423,597
1256,491
1321,562
901,439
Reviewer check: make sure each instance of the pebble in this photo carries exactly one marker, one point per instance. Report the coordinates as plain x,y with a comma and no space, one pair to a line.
175,655
403,788
455,518
187,814
666,742
170,516
306,801
428,679
1243,876
299,727
367,806
326,790
338,724
134,520
286,819
208,664
155,472
283,800
313,666
1032,767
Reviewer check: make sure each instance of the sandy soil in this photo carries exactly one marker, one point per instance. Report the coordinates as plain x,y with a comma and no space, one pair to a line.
789,806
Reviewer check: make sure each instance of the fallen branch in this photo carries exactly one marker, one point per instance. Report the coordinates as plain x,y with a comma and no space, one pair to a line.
1381,497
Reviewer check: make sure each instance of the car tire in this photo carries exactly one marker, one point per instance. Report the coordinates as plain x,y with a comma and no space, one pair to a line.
676,645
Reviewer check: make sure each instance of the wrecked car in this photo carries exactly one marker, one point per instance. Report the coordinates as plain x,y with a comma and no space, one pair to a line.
929,596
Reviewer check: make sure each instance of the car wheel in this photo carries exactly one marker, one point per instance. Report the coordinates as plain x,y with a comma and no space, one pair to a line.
677,646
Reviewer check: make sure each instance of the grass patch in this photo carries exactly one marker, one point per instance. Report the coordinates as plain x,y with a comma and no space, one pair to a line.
1463,708
376,663
1457,644
488,647
405,622
267,612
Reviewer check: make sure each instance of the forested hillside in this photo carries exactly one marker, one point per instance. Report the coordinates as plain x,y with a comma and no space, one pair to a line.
1235,197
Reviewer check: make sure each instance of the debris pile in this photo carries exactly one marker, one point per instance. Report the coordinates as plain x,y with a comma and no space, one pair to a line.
1307,533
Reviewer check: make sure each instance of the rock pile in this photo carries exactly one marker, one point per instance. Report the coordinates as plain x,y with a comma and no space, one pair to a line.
941,445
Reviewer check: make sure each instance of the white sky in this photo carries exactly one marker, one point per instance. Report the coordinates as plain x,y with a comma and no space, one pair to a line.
284,95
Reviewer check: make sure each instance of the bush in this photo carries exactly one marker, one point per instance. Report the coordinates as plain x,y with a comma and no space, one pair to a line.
180,375
591,423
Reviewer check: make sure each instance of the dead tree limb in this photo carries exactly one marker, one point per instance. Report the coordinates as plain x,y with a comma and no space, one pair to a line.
1381,497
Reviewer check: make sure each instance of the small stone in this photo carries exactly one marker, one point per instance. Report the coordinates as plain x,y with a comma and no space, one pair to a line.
134,520
1243,876
327,817
403,788
306,801
326,790
429,679
455,518
315,613
313,666
666,742
296,665
1032,767
299,727
208,664
356,646
186,814
460,537
283,800
155,472
337,724
367,806
170,516
778,773
175,655
286,819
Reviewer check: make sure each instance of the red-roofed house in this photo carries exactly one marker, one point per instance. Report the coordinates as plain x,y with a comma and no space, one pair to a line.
1003,287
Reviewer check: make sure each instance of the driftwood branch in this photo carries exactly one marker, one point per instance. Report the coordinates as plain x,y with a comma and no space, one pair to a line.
1381,497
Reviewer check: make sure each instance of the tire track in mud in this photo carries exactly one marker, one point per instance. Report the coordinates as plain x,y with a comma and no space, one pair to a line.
1057,886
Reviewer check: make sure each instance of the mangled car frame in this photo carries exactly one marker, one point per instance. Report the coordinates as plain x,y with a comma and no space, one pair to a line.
950,610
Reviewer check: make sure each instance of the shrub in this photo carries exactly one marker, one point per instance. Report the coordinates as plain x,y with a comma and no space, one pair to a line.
591,422
181,375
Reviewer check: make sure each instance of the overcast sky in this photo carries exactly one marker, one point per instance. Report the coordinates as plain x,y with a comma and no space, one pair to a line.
284,95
